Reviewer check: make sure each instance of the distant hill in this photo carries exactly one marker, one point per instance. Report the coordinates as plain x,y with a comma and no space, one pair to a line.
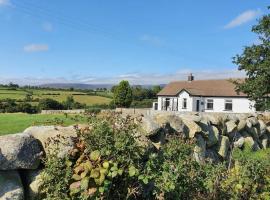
75,86
84,86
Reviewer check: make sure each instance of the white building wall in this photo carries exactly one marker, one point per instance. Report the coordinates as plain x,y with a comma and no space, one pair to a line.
239,105
185,95
159,103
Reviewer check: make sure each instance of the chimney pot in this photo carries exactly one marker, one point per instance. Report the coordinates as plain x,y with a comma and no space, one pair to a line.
190,77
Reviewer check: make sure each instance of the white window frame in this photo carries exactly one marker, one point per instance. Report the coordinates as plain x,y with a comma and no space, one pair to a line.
208,101
228,101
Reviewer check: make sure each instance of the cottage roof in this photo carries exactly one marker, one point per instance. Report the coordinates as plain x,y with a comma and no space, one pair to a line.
211,88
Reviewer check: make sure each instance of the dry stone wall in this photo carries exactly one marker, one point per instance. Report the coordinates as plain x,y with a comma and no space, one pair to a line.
215,135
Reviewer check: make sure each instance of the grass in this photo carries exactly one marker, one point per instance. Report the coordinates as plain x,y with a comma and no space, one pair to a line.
58,95
18,122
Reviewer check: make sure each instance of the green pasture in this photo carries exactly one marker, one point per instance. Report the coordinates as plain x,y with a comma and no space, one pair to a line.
17,122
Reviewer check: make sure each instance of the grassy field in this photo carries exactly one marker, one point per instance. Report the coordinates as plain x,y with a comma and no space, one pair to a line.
18,122
60,96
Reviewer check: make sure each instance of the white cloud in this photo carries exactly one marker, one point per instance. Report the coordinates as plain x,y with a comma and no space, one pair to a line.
243,18
152,40
133,78
36,47
4,2
47,26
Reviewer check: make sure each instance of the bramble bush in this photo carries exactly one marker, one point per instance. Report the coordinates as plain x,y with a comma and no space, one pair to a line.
111,160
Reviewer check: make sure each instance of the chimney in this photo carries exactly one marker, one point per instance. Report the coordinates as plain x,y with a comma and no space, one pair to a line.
190,77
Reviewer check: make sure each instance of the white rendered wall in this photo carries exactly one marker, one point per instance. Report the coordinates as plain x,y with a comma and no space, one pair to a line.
159,103
239,105
185,95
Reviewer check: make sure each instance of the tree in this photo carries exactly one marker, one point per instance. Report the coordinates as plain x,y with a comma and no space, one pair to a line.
113,88
123,95
49,104
68,104
255,62
156,89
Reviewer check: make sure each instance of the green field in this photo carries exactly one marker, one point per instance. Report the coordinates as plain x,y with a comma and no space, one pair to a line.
18,122
58,95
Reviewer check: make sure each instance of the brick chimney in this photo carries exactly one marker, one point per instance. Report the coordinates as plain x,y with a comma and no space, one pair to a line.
190,77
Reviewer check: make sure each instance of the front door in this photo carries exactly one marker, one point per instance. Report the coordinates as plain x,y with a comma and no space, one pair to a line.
167,104
198,105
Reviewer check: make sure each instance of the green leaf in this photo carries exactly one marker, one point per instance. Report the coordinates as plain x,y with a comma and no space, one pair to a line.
95,155
132,171
114,174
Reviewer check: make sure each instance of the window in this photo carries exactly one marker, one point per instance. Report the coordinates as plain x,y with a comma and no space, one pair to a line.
209,104
228,105
167,104
184,106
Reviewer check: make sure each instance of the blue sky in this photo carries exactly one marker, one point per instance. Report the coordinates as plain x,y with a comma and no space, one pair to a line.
145,42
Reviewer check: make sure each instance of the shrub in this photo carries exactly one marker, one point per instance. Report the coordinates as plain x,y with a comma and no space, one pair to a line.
49,104
11,106
248,178
27,108
105,159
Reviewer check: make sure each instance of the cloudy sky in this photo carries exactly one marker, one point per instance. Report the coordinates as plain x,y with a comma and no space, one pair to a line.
145,42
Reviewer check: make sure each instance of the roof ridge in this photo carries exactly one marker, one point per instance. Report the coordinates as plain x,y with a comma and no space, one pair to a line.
225,79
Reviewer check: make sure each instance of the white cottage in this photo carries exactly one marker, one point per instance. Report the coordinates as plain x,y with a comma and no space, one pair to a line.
203,96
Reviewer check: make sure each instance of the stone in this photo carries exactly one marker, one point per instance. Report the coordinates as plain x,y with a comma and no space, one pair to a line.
46,133
233,118
19,151
191,128
43,133
175,121
149,126
241,125
253,131
212,156
249,124
250,142
262,127
215,119
32,182
192,117
253,120
212,136
268,130
223,147
231,126
238,140
264,141
200,149
11,187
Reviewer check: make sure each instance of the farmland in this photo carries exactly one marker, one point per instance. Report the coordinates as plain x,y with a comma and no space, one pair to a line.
59,95
17,122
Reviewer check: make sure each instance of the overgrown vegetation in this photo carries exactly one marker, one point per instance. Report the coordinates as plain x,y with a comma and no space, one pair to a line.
112,160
